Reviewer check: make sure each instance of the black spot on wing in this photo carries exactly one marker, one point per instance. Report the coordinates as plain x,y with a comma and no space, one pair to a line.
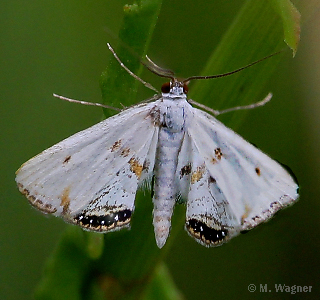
105,222
67,159
218,153
211,180
186,170
258,171
206,235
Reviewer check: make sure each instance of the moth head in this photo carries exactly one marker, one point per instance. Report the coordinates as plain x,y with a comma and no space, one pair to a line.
175,88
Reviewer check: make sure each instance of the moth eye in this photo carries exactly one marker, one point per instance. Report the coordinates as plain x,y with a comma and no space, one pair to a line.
166,87
185,88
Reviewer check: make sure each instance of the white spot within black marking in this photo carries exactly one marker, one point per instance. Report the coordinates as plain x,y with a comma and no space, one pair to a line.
104,222
204,233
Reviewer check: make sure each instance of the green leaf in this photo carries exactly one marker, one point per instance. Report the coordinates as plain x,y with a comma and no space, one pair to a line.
161,286
291,22
255,33
117,85
66,270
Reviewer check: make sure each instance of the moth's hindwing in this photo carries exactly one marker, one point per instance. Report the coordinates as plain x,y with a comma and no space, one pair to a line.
233,185
91,178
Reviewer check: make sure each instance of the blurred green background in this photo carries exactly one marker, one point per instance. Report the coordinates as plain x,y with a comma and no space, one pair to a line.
60,47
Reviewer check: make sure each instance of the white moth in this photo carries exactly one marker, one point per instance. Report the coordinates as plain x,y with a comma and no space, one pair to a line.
91,178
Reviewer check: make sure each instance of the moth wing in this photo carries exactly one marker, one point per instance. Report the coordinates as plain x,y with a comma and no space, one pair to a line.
91,178
233,185
209,218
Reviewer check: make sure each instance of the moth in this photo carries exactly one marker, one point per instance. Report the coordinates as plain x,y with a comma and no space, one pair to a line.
91,178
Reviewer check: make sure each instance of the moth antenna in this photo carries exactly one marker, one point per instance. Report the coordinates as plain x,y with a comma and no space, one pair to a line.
146,84
220,112
85,102
154,68
232,72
